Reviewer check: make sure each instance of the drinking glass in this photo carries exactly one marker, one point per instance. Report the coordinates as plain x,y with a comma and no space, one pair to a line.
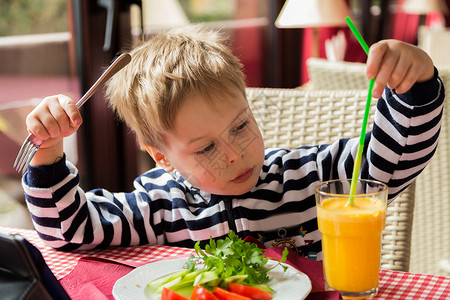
351,235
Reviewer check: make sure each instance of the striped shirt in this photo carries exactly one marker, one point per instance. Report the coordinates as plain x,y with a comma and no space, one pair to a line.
280,210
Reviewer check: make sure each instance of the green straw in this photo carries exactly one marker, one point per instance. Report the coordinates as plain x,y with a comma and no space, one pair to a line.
362,137
357,34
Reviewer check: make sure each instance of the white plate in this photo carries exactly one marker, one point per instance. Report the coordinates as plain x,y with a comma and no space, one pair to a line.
288,285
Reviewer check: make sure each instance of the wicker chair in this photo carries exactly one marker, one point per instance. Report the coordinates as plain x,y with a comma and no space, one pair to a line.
336,75
431,235
293,117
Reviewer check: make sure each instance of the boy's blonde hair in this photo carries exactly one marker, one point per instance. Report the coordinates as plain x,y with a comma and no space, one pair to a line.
163,71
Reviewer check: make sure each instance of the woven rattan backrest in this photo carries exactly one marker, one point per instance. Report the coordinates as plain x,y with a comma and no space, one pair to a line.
336,75
430,245
290,117
294,117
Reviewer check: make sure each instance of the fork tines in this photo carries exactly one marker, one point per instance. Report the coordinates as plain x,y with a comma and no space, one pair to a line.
26,153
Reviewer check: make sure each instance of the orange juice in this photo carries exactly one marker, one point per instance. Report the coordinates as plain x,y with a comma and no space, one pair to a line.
351,242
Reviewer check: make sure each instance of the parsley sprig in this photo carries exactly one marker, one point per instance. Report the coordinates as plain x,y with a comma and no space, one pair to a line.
233,256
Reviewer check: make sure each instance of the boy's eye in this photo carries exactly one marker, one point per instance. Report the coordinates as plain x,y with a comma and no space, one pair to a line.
207,149
240,127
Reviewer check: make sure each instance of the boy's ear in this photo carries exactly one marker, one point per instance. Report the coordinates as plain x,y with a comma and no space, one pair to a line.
159,158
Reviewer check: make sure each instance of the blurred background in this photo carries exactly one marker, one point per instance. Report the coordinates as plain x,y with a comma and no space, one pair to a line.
62,46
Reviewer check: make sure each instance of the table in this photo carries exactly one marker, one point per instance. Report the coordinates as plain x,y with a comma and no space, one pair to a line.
393,284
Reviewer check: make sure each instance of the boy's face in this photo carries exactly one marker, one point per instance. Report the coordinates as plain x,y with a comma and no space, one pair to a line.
216,145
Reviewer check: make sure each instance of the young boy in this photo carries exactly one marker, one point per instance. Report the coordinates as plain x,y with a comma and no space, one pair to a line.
183,94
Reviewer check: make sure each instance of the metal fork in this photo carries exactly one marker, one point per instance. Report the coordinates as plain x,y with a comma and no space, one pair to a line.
32,143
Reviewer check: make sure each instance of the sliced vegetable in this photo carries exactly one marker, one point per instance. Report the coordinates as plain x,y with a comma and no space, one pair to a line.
222,294
184,281
159,283
235,278
200,293
263,287
249,291
206,277
171,295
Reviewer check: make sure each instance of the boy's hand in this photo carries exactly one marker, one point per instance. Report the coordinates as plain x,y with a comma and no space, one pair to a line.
53,119
397,64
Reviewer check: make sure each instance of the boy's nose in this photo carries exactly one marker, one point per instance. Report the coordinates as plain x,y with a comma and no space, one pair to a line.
233,153
236,157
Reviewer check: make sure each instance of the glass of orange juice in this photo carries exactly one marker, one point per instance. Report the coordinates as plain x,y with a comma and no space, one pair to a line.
351,235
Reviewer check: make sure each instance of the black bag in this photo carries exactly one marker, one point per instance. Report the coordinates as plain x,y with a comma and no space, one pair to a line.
24,274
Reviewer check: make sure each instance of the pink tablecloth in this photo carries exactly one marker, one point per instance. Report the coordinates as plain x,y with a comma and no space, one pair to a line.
62,263
393,285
